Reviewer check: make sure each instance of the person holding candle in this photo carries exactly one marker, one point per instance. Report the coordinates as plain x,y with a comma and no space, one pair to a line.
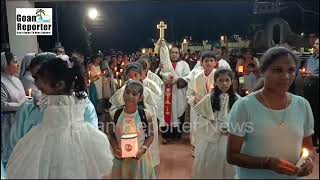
63,145
242,67
268,128
250,79
95,89
12,94
149,102
127,122
247,57
29,67
310,73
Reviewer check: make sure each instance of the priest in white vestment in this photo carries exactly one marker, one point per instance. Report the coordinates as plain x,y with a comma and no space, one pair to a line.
174,93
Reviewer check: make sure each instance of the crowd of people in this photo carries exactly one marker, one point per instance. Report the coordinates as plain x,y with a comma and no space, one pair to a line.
66,116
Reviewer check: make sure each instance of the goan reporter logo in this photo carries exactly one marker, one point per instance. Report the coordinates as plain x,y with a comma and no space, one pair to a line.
34,21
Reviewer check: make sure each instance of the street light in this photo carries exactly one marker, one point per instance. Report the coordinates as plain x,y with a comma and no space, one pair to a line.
93,13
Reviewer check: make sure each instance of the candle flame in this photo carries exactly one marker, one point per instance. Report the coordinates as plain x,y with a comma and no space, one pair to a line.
240,69
305,152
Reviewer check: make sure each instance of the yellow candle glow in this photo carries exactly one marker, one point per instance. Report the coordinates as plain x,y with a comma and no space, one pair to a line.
304,155
303,70
247,92
30,91
240,69
311,50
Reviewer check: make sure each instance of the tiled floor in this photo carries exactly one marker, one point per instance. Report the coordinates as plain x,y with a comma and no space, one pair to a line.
176,161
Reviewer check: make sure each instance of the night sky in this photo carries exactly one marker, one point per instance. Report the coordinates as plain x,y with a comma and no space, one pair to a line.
128,26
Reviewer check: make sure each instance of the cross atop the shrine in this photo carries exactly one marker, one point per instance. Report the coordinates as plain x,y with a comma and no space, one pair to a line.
162,26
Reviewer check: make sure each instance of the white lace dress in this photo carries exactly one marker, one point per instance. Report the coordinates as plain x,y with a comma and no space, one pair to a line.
62,146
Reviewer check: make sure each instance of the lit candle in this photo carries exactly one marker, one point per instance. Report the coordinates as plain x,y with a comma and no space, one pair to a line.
89,73
311,50
104,72
30,91
240,69
89,82
303,70
305,154
247,92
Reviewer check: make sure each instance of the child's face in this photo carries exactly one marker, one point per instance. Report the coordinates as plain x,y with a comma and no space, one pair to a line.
208,64
224,82
251,69
134,75
248,55
131,95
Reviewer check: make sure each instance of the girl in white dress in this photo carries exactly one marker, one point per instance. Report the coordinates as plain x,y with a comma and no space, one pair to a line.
62,146
210,152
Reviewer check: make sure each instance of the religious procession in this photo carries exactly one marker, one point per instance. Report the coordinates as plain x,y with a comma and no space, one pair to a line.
93,101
